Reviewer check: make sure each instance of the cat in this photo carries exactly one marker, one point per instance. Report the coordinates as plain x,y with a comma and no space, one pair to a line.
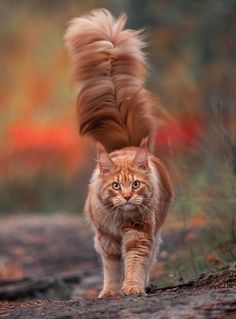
130,189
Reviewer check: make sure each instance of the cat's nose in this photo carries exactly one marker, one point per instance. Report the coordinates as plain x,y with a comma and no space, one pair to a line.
127,197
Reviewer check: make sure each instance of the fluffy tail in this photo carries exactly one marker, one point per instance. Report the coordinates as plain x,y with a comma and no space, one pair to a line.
109,67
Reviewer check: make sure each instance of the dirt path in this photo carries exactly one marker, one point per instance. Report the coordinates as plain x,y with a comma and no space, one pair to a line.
200,303
48,269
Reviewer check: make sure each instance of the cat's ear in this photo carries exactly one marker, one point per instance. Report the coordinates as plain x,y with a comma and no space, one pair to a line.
141,157
144,142
105,163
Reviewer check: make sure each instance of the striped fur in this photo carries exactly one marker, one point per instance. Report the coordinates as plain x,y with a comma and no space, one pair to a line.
130,189
128,236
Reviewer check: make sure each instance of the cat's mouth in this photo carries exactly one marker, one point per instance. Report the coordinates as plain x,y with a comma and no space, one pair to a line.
127,206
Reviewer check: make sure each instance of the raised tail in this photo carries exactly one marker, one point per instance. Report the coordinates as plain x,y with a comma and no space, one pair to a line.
109,68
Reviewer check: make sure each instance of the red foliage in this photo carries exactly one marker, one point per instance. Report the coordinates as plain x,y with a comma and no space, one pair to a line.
198,220
180,135
58,137
58,145
46,145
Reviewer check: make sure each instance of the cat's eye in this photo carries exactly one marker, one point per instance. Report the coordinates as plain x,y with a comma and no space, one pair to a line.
116,186
136,184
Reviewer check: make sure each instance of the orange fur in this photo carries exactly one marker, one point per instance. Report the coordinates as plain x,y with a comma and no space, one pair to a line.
109,68
130,189
127,221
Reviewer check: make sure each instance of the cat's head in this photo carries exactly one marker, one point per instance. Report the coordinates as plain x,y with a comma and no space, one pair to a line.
125,178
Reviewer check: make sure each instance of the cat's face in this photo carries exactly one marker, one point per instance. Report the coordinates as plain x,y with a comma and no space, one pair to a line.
127,189
125,183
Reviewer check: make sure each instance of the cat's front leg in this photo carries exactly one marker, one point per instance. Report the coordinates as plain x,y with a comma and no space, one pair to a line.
112,278
109,249
137,247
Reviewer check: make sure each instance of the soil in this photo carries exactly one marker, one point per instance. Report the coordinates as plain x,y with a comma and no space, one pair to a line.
48,269
188,303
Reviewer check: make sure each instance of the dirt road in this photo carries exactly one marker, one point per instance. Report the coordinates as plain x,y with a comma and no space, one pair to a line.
48,269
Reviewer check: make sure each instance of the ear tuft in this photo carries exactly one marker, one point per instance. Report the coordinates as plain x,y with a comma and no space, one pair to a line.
141,159
105,163
144,142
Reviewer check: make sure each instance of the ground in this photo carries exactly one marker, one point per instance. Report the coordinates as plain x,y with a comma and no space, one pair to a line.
49,269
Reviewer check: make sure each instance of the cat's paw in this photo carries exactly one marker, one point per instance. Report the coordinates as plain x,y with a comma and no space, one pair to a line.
133,290
110,293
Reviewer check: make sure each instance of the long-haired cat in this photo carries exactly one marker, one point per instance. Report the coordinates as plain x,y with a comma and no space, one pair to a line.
130,189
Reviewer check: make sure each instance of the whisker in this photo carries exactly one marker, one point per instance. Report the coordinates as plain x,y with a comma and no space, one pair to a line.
114,216
148,209
141,213
149,199
108,214
106,217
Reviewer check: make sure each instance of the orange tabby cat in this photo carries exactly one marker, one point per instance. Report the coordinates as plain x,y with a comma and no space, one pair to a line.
130,189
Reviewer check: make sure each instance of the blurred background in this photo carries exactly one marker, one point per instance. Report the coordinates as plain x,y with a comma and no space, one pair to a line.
45,165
